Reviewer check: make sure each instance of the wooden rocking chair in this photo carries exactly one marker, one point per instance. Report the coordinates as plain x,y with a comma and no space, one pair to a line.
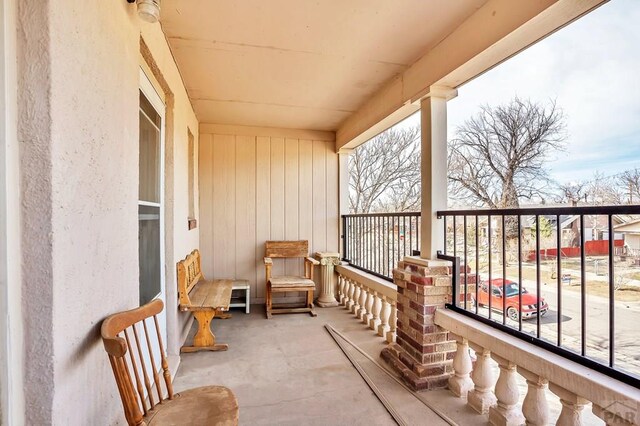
145,403
281,284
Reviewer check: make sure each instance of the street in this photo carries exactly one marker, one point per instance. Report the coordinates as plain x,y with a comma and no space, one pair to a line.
627,325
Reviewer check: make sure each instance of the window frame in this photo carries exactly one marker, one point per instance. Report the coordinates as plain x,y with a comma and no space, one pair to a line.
154,98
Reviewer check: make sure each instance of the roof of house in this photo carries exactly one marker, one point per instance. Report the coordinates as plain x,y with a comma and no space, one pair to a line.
632,227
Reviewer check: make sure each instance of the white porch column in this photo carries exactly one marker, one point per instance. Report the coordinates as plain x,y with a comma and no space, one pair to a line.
433,111
343,184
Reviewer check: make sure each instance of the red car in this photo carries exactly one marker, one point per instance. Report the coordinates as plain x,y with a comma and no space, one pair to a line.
529,301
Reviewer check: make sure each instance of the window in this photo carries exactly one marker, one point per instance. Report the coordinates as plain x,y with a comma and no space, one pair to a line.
150,202
192,223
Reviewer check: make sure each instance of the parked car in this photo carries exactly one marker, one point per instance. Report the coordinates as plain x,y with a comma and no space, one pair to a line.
529,301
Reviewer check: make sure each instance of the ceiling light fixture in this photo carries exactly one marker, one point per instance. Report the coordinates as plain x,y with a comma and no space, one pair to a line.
148,10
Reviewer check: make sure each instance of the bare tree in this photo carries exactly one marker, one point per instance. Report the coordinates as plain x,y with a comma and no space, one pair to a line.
384,173
604,190
600,190
573,192
630,184
498,157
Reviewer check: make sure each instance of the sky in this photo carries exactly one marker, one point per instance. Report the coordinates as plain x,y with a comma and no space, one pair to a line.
592,69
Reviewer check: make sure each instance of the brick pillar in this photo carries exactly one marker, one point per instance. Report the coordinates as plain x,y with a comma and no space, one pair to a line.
423,352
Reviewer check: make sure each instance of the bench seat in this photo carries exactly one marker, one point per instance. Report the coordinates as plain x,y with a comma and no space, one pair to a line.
208,295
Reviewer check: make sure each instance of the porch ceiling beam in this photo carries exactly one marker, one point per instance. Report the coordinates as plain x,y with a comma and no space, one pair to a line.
494,33
237,130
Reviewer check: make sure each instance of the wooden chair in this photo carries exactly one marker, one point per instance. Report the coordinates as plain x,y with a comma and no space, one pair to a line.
281,284
145,403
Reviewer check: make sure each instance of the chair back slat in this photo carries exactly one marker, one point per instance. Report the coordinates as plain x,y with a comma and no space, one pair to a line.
165,365
131,409
137,398
276,249
154,370
147,383
119,381
135,373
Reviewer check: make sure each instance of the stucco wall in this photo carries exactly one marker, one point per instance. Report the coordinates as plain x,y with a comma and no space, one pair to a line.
78,115
94,189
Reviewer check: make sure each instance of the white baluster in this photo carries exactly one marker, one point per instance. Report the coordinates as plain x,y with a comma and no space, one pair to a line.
460,383
391,334
356,299
362,301
374,322
535,407
383,328
481,397
343,290
506,412
368,314
572,406
350,289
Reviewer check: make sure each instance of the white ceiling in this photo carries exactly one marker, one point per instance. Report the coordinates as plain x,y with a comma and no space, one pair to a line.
303,64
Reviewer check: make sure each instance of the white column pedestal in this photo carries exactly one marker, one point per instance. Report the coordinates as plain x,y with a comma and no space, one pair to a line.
328,261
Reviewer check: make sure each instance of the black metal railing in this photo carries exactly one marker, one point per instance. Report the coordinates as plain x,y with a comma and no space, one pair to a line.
579,310
375,242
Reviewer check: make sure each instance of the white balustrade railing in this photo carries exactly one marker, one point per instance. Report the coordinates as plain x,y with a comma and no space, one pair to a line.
574,384
370,299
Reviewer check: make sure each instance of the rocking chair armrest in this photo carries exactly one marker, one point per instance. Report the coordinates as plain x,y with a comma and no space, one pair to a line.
311,260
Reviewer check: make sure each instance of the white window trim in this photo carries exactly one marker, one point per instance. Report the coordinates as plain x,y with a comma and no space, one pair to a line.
149,91
11,334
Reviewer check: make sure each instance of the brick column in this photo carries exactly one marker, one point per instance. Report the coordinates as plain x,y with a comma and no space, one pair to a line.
423,352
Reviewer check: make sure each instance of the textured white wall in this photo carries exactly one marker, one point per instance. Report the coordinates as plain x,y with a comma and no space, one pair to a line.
78,118
34,135
94,53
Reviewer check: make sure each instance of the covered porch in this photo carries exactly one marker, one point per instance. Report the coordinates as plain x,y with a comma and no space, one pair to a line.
256,108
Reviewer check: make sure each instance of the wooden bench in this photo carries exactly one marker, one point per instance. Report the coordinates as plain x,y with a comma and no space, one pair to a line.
205,299
131,339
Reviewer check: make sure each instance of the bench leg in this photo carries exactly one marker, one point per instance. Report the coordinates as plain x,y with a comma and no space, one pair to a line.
269,300
204,340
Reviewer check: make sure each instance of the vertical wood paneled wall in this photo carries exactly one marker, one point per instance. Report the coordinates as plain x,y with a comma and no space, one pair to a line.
257,187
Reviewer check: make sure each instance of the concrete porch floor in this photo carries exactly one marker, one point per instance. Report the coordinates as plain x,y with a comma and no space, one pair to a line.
289,370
